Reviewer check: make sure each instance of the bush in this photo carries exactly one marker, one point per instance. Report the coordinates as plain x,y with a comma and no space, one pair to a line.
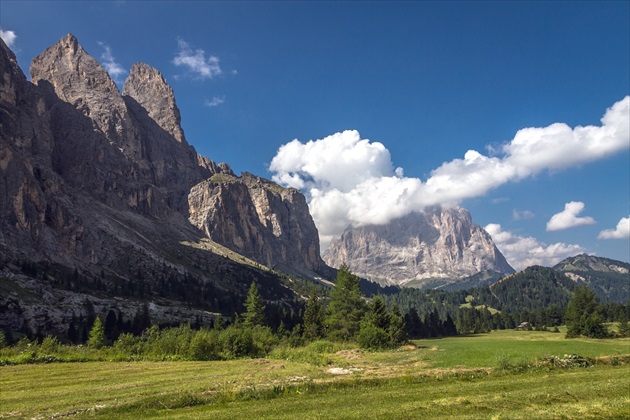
128,344
237,341
50,345
204,345
372,337
264,340
173,342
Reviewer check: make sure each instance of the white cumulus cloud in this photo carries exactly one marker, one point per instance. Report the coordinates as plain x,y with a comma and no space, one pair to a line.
115,70
568,217
621,231
524,251
8,37
196,61
352,181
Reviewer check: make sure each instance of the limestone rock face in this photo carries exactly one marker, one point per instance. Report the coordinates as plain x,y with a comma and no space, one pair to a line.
129,151
147,86
258,219
81,81
436,247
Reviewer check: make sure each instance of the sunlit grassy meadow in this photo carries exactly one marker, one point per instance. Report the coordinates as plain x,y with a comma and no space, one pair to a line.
495,375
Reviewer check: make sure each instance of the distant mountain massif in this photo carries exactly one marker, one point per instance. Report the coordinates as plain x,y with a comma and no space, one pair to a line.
435,248
105,206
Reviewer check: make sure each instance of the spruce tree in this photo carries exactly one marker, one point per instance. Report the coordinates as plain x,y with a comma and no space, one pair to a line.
396,330
97,334
313,318
583,315
346,307
254,308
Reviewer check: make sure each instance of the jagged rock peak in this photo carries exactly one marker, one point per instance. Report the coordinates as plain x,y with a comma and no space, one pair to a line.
79,79
147,86
68,67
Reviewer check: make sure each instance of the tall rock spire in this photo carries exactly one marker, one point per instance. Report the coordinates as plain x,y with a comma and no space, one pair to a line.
147,86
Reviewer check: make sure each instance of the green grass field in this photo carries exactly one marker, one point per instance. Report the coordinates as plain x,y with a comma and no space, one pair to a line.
458,377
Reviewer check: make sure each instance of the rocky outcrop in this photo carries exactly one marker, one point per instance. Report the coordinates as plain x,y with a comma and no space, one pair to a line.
258,219
436,247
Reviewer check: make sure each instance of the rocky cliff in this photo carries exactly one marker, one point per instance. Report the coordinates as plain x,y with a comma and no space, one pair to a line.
95,188
433,248
258,219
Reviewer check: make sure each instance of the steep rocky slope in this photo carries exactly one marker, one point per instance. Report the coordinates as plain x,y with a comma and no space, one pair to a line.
94,199
434,248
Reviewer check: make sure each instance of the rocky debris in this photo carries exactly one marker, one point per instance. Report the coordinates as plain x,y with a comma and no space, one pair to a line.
418,248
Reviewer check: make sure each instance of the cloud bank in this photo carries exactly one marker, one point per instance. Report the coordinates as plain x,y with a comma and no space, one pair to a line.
568,218
115,70
621,231
196,61
8,37
351,181
524,251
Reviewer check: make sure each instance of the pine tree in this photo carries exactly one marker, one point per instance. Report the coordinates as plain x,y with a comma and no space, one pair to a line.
346,307
583,315
313,318
254,308
97,334
396,330
377,313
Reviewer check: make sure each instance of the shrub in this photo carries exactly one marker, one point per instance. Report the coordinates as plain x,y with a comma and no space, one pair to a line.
236,341
264,340
172,341
204,345
49,345
372,337
128,344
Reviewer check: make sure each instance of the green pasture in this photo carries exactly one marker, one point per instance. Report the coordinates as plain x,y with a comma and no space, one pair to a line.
457,377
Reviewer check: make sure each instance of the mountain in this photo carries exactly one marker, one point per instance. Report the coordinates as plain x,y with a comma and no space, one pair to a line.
534,287
435,248
609,279
102,200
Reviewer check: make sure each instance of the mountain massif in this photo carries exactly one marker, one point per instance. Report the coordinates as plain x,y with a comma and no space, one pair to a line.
101,193
434,248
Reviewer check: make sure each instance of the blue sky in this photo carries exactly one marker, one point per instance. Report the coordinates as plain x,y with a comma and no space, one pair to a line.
367,88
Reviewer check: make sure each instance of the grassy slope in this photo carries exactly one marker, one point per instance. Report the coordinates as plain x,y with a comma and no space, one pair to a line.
448,377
